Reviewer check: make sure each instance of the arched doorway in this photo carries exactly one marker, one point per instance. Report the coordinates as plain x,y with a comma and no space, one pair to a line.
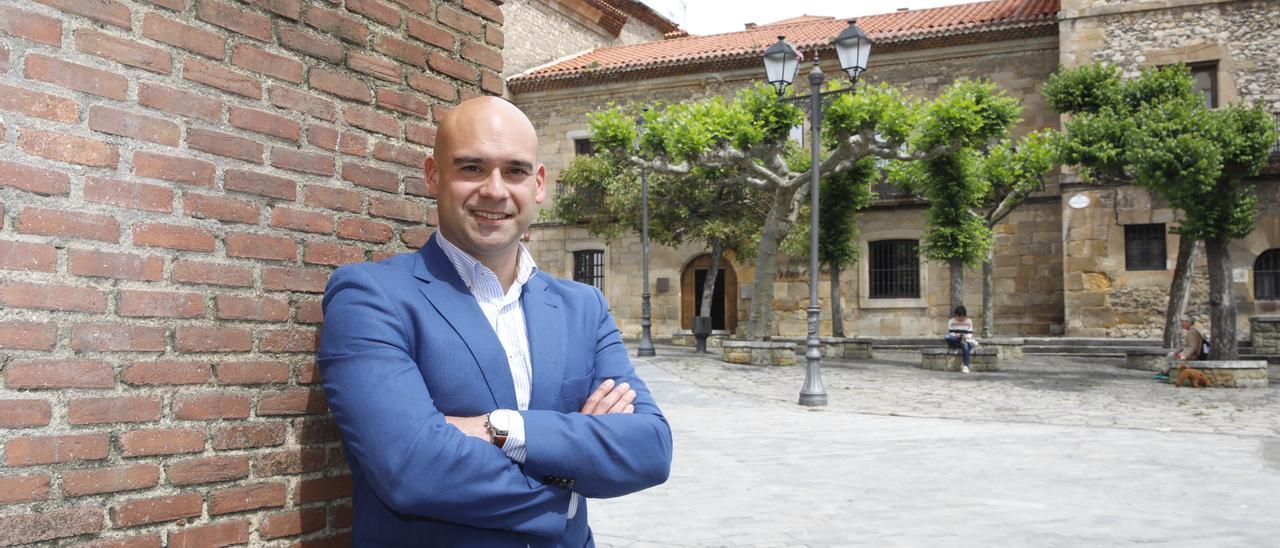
724,302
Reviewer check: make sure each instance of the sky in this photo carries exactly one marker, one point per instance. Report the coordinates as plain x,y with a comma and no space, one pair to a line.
717,16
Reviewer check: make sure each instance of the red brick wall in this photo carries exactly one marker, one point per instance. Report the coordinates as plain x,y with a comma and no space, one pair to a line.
177,180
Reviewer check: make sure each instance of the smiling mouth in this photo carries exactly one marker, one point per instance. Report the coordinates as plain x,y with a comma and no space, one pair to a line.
490,216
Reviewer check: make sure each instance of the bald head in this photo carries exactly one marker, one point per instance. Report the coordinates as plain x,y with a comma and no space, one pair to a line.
485,118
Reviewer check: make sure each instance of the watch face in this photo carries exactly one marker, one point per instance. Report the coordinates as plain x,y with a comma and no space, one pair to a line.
499,422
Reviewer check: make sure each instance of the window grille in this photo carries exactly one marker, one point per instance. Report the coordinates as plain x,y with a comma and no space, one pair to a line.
588,268
894,269
1144,247
1266,276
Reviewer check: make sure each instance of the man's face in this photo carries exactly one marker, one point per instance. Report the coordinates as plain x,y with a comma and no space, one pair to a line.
1185,324
486,178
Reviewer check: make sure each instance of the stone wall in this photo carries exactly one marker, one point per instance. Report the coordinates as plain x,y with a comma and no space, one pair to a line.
537,33
178,178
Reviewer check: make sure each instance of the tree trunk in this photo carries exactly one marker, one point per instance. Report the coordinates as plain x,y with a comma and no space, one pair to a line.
837,311
709,284
1222,305
988,286
1180,290
776,225
957,284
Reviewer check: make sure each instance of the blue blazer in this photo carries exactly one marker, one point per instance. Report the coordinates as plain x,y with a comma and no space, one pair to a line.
404,344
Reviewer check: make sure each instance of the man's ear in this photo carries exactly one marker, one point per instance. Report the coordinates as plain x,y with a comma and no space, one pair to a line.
431,171
541,177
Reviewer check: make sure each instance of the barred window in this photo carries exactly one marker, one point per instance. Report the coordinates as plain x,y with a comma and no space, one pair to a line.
583,147
1144,247
1206,81
894,269
1266,276
588,268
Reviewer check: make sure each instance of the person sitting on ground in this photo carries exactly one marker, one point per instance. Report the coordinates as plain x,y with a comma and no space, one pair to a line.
1192,342
960,335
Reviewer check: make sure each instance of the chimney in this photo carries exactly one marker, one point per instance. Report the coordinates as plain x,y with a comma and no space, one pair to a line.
903,9
750,26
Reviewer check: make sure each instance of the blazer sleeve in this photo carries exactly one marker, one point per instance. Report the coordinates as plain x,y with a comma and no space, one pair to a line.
606,455
414,461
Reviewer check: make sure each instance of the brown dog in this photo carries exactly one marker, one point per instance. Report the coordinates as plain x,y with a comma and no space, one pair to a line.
1194,378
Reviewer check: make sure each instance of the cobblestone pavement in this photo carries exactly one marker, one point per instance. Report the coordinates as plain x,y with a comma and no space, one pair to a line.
1051,452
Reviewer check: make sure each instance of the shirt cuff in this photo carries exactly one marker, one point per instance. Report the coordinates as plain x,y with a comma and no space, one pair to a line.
514,446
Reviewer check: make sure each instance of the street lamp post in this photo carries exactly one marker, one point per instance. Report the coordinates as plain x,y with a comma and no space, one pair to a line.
780,62
646,341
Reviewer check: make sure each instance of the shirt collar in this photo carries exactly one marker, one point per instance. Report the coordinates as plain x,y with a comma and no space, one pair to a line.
471,269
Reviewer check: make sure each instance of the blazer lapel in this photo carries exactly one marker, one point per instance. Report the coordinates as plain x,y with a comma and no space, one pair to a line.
544,320
444,289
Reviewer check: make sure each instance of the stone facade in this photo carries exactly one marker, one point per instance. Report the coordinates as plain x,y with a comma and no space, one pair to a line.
540,31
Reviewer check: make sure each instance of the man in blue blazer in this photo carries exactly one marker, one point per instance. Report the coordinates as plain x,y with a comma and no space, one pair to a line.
479,399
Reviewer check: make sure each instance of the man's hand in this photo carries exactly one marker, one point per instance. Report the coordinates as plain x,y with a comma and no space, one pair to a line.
471,426
609,398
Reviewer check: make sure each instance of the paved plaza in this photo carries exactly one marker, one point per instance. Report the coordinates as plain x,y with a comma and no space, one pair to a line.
1049,452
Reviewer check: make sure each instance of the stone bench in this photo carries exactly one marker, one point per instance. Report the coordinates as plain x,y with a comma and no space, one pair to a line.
946,359
1264,333
848,348
1010,348
1232,373
757,352
1146,359
684,337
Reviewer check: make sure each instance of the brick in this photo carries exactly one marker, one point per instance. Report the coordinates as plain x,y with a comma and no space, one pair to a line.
26,414
127,124
423,135
249,497
218,534
396,208
46,296
435,87
306,162
76,77
68,224
265,123
248,435
335,23
157,510
117,337
309,311
175,5
295,461
307,280
422,7
493,35
167,373
404,102
224,144
258,246
30,26
298,401
146,540
61,147
484,8
289,340
214,75
107,264
301,220
34,450
352,143
185,238
78,483
110,12
222,208
342,86
38,105
208,470
308,374
201,272
463,94
377,10
210,406
161,441
179,102
303,102
234,18
252,308
320,489
337,199
131,195
431,33
49,524
259,183
370,177
201,42
417,186
124,51
491,83
365,230
343,516
263,62
292,523
160,304
372,121
375,66
460,20
415,237
331,254
58,373
288,8
402,50
31,488
311,44
323,137
113,409
212,339
253,372
403,155
483,55
173,168
452,67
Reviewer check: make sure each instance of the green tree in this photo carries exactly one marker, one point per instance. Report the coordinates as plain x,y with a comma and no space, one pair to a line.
1154,130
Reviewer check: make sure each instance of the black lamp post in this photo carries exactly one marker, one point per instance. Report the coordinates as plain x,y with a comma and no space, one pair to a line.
646,341
780,63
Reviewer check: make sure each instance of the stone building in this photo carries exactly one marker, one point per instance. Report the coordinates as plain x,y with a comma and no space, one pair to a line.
542,31
1059,266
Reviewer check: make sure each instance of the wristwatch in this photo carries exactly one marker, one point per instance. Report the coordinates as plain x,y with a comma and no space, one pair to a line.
496,424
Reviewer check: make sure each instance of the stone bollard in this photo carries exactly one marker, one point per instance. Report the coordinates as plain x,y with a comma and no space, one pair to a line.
758,352
684,337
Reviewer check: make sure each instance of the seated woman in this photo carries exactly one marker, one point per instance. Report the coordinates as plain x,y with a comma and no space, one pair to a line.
960,335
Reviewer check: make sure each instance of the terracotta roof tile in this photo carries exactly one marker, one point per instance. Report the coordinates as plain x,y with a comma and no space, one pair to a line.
980,21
